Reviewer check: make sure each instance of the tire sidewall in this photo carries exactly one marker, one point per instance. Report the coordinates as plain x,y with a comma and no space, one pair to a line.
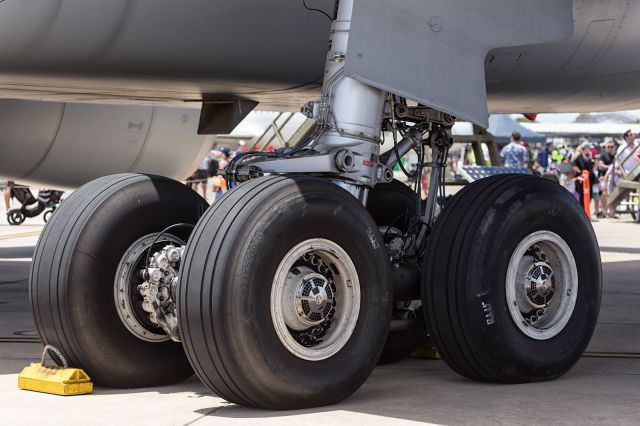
516,214
286,221
140,207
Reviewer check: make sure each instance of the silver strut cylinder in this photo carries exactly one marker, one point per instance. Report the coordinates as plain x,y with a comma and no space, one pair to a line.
350,111
349,115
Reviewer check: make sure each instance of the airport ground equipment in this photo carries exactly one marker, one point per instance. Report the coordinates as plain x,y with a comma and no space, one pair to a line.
67,144
58,380
474,173
629,163
282,295
632,204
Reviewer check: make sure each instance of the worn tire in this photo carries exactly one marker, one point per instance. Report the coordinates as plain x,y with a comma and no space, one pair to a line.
465,279
394,204
226,280
73,270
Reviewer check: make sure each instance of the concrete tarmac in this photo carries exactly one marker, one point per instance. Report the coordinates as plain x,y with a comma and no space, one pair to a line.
604,387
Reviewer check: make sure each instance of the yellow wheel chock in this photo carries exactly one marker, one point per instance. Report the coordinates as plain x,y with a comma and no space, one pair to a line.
56,380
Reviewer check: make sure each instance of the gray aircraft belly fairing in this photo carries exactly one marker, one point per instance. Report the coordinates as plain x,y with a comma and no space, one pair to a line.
66,144
159,50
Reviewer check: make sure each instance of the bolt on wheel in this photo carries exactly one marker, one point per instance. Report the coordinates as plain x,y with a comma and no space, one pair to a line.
315,299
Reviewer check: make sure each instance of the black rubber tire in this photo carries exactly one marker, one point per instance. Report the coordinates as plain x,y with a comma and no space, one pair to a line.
225,285
466,263
73,270
394,204
16,217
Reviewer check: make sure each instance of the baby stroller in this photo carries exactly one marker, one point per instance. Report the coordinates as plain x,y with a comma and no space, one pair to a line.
47,199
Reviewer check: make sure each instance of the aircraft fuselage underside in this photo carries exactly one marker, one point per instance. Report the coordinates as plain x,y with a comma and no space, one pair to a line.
146,51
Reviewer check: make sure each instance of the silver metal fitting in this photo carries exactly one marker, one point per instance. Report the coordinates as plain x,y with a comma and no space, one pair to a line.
159,290
311,110
345,160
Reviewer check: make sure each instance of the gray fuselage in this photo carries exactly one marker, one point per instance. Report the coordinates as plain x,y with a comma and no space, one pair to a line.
273,51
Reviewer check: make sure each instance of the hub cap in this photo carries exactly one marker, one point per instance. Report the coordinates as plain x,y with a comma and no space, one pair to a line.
541,285
315,299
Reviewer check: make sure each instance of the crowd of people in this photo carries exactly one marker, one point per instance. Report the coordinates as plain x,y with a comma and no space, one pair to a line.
209,174
567,163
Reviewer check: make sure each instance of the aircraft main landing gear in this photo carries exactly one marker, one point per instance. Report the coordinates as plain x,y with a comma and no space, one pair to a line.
283,293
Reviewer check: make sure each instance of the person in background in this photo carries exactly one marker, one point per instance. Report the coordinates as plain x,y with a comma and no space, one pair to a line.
514,154
219,183
604,164
242,147
201,176
7,195
583,161
557,156
567,179
543,159
630,138
564,151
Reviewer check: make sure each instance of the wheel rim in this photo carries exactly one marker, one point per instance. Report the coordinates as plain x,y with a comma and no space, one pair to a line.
315,299
132,316
541,285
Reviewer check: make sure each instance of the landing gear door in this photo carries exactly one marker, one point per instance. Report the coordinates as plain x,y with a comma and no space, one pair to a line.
433,51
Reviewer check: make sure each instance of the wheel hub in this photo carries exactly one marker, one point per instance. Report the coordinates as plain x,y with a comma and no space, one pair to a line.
146,305
315,299
540,285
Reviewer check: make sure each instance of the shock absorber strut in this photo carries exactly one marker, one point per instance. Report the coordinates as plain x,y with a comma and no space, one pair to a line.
349,117
351,112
